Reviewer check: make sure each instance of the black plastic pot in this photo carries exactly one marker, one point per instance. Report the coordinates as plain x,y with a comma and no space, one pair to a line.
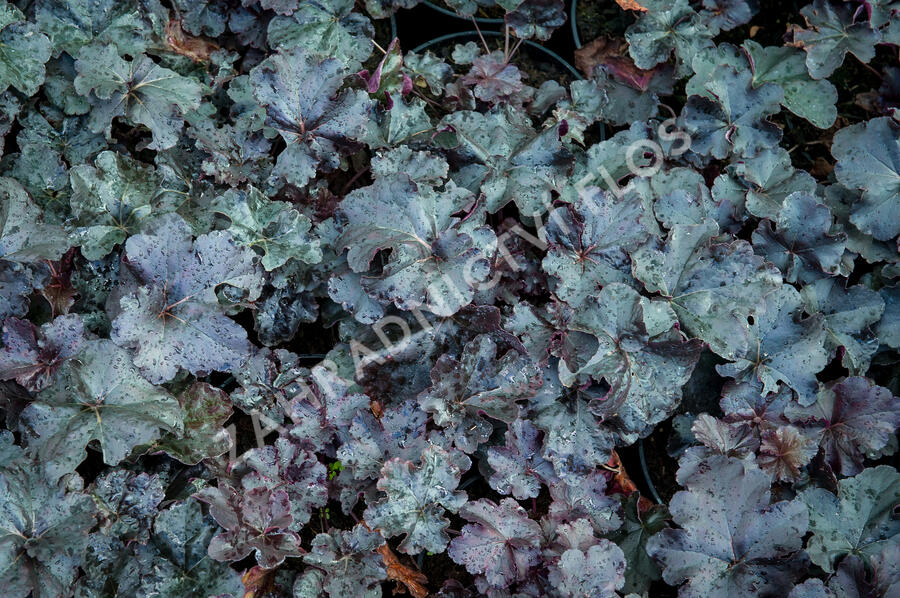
450,13
550,54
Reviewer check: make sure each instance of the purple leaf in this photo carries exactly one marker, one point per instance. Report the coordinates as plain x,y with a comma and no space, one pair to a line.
519,468
32,355
851,418
254,520
501,542
597,572
733,542
784,451
585,496
173,320
485,381
288,467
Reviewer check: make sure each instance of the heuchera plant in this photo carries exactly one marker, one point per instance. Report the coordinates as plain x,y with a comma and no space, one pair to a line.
293,308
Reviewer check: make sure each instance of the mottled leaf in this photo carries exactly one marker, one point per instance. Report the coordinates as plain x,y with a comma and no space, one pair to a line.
416,498
597,572
831,31
589,243
326,27
733,541
350,561
518,467
174,320
71,25
508,160
139,90
645,373
849,419
806,97
500,542
850,313
272,227
801,244
317,122
435,260
290,467
858,521
32,355
713,286
484,381
664,27
23,52
868,156
783,347
255,520
100,396
205,410
736,119
44,533
110,200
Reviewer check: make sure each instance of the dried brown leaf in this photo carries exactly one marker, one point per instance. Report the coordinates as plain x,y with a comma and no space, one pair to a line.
258,582
631,5
197,49
612,53
413,580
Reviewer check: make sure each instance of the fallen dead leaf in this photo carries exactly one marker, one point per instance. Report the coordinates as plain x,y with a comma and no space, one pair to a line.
377,408
789,36
612,53
821,168
622,482
631,5
197,49
396,571
258,582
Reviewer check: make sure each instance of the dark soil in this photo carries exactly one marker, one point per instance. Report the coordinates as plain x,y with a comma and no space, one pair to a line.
594,18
